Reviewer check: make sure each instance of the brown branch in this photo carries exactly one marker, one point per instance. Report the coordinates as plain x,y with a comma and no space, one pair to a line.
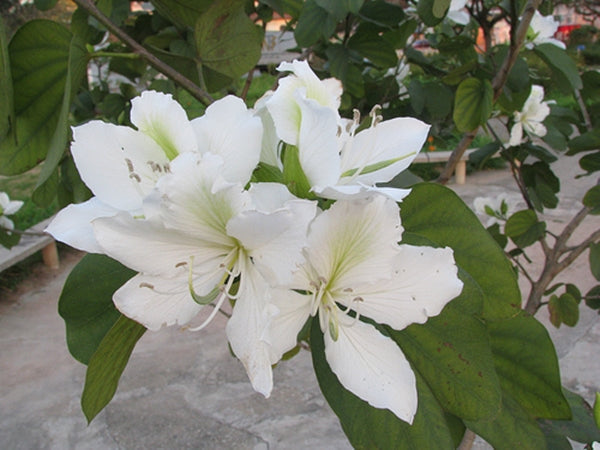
497,85
155,62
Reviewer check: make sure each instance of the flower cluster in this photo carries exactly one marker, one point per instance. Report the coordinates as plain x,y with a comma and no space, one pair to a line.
274,209
8,207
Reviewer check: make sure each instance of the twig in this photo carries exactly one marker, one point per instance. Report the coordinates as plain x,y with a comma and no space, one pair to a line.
23,233
155,62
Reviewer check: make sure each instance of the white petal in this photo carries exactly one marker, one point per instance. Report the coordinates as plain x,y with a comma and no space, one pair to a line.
293,310
372,366
248,325
73,224
269,197
355,242
120,165
156,302
356,191
160,117
318,143
12,207
397,139
270,141
516,134
230,130
5,222
426,280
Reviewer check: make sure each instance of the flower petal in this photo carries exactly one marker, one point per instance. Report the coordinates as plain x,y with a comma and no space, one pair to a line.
356,191
160,117
156,302
73,224
372,366
248,325
426,280
120,165
239,143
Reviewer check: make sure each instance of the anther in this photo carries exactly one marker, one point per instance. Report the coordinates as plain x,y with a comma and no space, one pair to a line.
146,285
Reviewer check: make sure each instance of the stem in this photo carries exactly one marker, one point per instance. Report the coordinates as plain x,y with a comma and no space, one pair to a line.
584,112
247,84
23,233
467,440
115,55
517,40
155,62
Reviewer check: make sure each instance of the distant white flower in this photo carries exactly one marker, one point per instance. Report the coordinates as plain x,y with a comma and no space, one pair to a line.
7,208
121,165
456,12
530,118
355,269
542,30
497,209
596,446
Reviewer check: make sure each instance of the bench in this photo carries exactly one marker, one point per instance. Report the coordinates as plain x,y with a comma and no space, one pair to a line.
460,173
30,244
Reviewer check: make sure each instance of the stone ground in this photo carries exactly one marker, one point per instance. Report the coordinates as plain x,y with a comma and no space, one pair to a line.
184,390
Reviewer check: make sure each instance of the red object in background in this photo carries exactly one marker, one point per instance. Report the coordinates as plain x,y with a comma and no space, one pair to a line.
564,31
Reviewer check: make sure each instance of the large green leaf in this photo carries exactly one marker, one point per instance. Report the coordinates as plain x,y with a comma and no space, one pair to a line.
227,40
39,57
585,142
107,365
368,42
313,24
182,13
524,228
86,303
511,429
432,11
340,8
473,103
562,66
447,221
76,71
7,107
527,366
342,68
452,354
367,427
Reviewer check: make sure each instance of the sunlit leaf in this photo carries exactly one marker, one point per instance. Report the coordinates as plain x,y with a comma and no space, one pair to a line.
473,103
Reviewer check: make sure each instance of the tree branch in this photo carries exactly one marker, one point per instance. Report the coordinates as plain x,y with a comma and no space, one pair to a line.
155,62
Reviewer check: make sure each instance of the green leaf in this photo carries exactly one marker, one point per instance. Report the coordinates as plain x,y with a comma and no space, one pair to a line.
367,427
107,364
183,13
561,64
7,107
527,366
343,69
432,12
76,71
447,221
452,353
542,185
585,142
368,43
590,163
45,5
595,260
524,229
227,41
592,298
383,14
7,239
293,175
582,428
483,154
473,103
563,309
438,100
597,411
591,199
86,304
39,56
591,85
340,8
512,428
313,24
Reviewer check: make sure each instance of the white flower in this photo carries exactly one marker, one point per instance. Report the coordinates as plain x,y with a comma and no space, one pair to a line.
497,209
530,119
354,264
456,12
596,446
7,208
121,165
201,234
542,30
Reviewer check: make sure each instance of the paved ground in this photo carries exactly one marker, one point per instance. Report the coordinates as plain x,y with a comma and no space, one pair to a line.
184,390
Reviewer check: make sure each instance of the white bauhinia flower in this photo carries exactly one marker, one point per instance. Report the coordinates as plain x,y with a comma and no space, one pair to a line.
355,265
530,118
121,165
456,12
201,235
8,207
542,30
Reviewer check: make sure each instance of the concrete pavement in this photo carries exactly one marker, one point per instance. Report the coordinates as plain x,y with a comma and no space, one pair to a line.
184,390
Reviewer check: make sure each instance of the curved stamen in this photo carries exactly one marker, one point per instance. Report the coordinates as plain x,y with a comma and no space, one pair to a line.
214,312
